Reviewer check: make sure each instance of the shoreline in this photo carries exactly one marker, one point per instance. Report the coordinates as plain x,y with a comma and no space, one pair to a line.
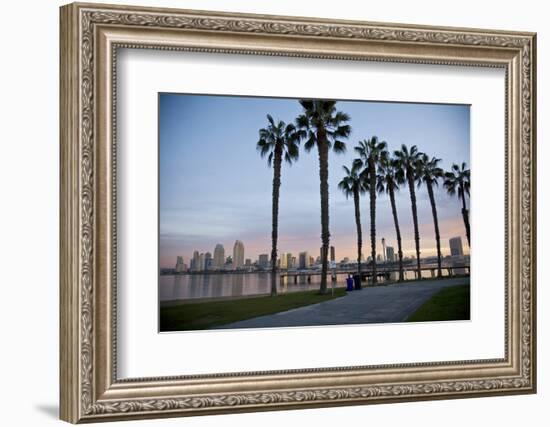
180,301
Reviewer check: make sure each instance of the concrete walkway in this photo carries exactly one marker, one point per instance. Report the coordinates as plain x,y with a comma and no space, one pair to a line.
380,304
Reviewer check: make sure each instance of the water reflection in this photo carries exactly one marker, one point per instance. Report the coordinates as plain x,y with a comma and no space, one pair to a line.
221,285
193,286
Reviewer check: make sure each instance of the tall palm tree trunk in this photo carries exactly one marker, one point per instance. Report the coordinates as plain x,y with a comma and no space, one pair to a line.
275,218
436,227
465,218
325,234
359,232
415,223
372,193
397,232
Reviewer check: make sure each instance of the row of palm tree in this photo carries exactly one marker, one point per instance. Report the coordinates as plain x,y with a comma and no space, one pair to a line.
377,171
322,126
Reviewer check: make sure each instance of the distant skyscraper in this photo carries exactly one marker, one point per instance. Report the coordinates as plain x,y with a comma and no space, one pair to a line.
263,261
202,263
248,262
456,246
238,254
283,261
219,256
378,258
290,261
208,261
390,254
384,248
196,261
180,266
303,260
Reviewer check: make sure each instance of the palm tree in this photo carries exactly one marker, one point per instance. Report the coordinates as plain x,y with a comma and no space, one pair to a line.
430,173
371,151
352,184
408,160
390,177
323,126
458,180
278,141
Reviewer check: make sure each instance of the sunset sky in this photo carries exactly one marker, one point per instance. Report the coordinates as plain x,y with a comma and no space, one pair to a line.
215,187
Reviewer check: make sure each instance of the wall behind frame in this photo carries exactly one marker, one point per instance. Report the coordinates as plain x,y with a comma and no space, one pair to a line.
29,182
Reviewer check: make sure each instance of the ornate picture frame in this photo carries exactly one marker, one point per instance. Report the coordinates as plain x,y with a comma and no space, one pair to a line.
90,37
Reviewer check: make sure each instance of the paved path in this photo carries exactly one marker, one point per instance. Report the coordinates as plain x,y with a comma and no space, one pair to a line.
380,304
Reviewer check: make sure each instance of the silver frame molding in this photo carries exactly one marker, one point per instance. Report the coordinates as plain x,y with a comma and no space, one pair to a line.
90,37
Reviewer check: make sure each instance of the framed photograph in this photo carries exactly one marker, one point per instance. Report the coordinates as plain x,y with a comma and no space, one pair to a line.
266,212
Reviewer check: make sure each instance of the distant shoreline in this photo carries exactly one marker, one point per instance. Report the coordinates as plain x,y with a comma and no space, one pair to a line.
192,273
338,270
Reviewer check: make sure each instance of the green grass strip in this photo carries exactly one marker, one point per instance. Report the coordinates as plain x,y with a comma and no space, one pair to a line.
205,315
451,303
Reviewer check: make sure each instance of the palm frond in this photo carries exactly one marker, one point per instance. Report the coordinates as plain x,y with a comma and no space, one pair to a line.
310,142
292,152
320,117
339,146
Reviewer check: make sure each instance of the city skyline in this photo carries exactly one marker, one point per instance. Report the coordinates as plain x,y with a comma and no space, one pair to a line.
389,255
198,210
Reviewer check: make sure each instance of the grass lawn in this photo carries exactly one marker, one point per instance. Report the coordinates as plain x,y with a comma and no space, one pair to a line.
205,315
451,303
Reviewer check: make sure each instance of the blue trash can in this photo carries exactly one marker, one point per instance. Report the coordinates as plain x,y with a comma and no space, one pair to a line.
349,284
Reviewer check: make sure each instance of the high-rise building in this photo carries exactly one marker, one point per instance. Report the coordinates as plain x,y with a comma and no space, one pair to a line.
292,261
238,254
384,249
289,262
208,261
219,256
390,254
283,261
180,265
378,258
263,261
202,263
303,260
248,262
196,261
456,246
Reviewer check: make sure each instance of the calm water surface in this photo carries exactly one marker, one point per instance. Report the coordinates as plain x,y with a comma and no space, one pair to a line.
193,286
